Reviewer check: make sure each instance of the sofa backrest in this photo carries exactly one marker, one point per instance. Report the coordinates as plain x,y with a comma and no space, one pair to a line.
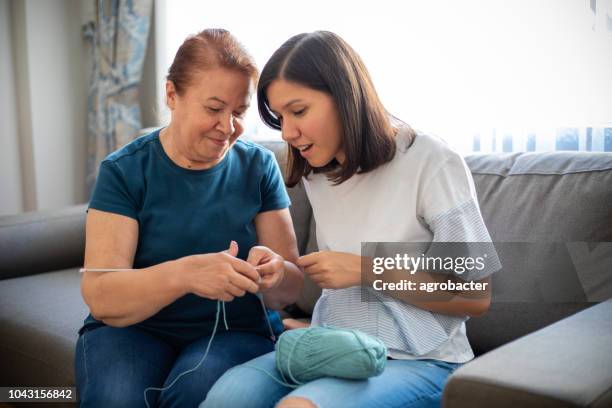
36,242
533,204
544,203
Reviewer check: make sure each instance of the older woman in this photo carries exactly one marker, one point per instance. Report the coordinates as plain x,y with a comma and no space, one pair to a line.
191,217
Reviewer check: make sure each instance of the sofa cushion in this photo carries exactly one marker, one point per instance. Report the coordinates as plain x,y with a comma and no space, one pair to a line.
40,316
540,202
545,197
42,241
311,291
564,365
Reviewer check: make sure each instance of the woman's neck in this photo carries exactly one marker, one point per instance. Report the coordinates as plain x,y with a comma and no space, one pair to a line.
168,142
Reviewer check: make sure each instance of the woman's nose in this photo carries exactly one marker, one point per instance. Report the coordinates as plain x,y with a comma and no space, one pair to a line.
226,125
288,132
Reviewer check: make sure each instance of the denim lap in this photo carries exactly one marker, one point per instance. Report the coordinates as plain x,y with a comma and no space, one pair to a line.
247,387
404,383
227,350
114,366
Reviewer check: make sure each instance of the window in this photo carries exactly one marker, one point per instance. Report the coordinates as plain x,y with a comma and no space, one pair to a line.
487,75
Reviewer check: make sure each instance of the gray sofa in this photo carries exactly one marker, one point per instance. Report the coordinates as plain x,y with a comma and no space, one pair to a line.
546,341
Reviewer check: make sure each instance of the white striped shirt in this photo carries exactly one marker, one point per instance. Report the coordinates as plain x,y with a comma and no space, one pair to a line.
425,194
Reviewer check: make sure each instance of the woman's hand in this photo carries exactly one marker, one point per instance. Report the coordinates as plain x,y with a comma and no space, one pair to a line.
290,324
219,276
332,270
271,266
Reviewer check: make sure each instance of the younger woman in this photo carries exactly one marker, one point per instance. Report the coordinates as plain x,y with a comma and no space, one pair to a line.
369,178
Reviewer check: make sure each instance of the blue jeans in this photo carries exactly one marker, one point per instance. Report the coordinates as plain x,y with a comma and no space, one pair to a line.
403,383
114,366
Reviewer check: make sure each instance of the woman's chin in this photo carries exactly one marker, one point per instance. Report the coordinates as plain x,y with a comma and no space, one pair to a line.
209,158
318,162
315,164
215,152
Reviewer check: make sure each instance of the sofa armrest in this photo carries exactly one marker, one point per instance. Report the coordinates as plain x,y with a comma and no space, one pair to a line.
566,364
36,242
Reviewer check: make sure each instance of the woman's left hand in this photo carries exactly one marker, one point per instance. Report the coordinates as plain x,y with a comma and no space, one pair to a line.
332,270
269,264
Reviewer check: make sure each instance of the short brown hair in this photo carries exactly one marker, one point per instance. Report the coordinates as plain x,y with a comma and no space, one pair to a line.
325,62
210,48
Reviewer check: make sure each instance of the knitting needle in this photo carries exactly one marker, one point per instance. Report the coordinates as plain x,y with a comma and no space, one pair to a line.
82,270
103,270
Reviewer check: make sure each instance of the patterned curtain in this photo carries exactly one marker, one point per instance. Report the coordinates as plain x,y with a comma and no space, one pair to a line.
118,36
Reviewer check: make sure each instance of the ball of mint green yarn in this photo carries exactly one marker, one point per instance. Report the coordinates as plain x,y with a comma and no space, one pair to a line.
306,354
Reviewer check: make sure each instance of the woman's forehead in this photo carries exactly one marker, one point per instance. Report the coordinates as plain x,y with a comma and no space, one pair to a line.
223,85
282,94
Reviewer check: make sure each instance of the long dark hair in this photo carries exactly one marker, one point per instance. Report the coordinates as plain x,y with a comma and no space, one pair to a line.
325,62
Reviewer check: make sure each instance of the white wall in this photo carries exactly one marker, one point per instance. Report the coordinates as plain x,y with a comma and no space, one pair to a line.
42,158
57,96
11,200
149,86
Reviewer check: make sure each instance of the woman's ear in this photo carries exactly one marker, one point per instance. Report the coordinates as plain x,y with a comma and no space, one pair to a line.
238,130
170,95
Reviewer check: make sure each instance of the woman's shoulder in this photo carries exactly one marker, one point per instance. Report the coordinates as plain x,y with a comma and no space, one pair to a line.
417,142
134,150
418,149
251,151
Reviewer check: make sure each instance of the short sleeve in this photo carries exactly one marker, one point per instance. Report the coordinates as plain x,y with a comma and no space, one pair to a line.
111,192
449,207
273,192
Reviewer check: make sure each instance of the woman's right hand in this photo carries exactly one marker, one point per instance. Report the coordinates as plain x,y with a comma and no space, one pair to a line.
219,276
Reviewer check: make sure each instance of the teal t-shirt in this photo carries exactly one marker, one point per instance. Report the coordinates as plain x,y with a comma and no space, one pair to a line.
183,212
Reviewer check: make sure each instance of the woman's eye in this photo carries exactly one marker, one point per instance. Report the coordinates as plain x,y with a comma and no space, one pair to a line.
299,112
239,115
213,110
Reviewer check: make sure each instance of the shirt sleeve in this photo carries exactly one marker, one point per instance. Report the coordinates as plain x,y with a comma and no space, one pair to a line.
449,207
111,192
273,192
